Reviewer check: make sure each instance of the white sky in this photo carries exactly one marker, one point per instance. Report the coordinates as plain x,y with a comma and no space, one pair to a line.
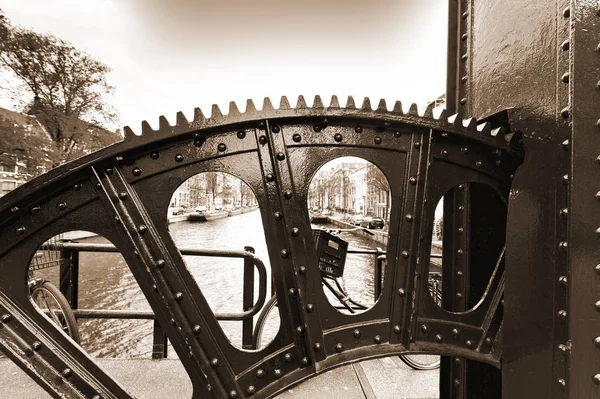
168,56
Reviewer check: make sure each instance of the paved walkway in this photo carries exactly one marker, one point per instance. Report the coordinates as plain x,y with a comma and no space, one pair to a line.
386,378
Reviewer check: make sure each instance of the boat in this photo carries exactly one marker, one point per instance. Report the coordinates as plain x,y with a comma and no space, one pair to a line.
212,215
234,212
197,217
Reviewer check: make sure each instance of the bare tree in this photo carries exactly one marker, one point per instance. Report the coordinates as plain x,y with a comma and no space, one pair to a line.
66,88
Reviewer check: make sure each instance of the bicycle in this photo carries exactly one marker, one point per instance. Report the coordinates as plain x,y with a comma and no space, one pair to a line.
46,296
336,286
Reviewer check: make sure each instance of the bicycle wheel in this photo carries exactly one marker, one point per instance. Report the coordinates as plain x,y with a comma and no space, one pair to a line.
267,324
426,362
52,303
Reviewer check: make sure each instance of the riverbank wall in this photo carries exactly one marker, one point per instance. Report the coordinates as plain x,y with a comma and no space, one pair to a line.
380,237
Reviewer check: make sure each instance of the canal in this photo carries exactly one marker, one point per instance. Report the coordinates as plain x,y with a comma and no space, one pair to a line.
107,283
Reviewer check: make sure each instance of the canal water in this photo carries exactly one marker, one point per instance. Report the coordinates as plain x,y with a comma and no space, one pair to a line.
107,283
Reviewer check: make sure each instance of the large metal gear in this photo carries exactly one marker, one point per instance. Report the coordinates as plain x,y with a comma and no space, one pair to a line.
122,193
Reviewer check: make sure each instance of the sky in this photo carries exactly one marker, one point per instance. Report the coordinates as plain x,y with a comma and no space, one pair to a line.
169,56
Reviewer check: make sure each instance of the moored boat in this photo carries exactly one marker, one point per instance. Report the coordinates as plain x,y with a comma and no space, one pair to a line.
234,212
215,215
197,217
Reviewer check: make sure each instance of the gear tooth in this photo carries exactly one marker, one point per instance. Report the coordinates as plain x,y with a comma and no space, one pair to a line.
146,128
366,105
350,104
443,116
429,110
455,120
129,134
233,109
301,104
470,123
382,106
198,115
250,107
398,108
284,103
318,103
499,131
413,110
216,112
485,128
334,102
163,124
181,119
267,105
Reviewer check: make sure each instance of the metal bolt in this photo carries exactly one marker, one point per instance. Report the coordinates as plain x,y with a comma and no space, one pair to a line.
469,344
464,79
297,138
136,171
598,231
109,171
233,394
260,373
465,15
397,134
37,345
397,329
488,341
458,296
597,342
562,315
287,357
280,156
299,330
412,181
565,77
275,129
444,153
358,129
464,36
405,254
221,147
377,339
278,215
567,12
76,187
270,177
35,210
284,253
61,206
439,338
562,348
288,194
178,296
317,347
455,332
563,245
198,143
305,361
356,333
302,270
460,230
459,273
160,263
417,144
66,373
262,139
310,307
277,373
196,329
564,212
401,292
20,230
142,229
295,232
562,383
563,280
596,379
461,208
464,57
292,291
377,140
479,164
424,328
179,157
214,362
5,318
565,112
459,252
317,128
241,134
123,196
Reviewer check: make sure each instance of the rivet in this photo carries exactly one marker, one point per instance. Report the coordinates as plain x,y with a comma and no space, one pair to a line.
459,252
563,245
160,263
564,212
178,296
292,291
377,140
464,57
479,164
459,273
377,339
277,373
310,307
401,292
565,179
284,253
36,346
567,12
409,218
299,330
251,390
439,338
5,318
465,15
458,296
109,171
196,329
66,373
562,315
444,153
456,382
221,147
179,157
302,270
464,36
565,112
397,329
397,134
358,129
142,229
562,348
278,215
262,139
275,129
270,177
317,347
260,373
597,342
405,254
198,143
463,101
562,382
305,361
233,394
469,344
565,77
241,134
262,125
596,379
317,128
295,232
412,181
214,362
488,341
123,196
460,230
417,144
287,194
297,138
565,45
598,231
280,156
287,357
61,206
498,162
424,328
136,171
562,280
464,79
597,195
356,333
339,348
77,187
455,332
35,210
98,186
20,230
